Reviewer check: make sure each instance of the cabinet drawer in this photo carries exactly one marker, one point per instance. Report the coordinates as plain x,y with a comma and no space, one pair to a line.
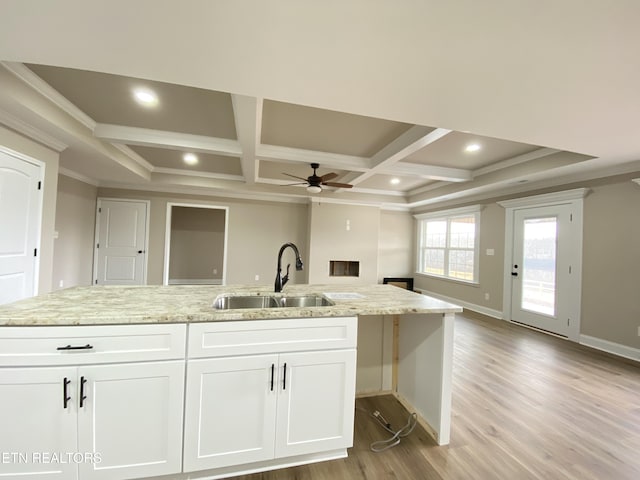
245,337
91,344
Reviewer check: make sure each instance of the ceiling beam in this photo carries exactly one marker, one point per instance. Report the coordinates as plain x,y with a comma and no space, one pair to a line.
431,172
325,159
163,139
248,118
409,142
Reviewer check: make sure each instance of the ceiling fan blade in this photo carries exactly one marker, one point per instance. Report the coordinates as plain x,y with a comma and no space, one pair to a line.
293,176
293,184
337,185
328,176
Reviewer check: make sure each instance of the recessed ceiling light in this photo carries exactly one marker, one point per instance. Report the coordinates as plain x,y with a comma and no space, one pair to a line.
472,147
190,158
145,97
395,181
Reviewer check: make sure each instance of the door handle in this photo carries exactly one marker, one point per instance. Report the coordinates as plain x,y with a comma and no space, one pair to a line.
65,397
284,378
273,367
514,274
83,397
140,251
82,347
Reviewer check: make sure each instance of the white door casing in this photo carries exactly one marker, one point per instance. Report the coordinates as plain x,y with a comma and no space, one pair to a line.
20,217
122,230
567,208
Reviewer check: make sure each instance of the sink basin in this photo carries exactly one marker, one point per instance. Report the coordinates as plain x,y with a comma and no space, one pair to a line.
232,302
304,301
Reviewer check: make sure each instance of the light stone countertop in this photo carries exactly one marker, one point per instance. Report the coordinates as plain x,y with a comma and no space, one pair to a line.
117,305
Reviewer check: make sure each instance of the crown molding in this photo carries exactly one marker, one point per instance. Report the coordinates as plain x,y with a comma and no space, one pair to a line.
43,88
32,132
299,155
134,156
78,176
517,160
566,196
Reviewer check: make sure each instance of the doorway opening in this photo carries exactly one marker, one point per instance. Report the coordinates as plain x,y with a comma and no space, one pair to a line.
196,244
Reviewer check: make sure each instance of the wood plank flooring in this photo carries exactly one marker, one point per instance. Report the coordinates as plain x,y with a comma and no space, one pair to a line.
525,406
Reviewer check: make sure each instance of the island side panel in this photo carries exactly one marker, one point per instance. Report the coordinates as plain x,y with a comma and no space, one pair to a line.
425,369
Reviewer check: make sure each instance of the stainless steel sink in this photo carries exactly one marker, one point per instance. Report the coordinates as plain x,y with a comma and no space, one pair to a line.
232,302
304,301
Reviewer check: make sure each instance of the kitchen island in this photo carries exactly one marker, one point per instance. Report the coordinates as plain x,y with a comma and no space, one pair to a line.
422,340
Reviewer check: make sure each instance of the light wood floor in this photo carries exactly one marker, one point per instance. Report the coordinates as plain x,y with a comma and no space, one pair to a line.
525,406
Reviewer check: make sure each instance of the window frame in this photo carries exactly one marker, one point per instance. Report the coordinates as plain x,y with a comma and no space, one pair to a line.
448,216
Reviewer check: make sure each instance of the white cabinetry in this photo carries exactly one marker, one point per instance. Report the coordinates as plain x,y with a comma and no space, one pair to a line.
91,418
264,394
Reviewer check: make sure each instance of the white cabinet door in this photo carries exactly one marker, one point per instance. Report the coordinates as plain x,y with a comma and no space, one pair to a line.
132,418
315,402
35,421
229,415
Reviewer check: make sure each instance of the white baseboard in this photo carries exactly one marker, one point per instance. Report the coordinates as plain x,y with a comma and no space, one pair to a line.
610,347
490,312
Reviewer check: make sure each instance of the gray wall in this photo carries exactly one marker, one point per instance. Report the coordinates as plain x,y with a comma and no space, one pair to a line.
75,224
611,263
256,232
396,245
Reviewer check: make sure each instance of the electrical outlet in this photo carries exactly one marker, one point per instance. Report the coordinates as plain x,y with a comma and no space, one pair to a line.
215,271
257,278
61,285
486,296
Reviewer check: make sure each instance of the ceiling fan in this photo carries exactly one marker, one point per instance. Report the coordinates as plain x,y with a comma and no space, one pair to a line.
314,182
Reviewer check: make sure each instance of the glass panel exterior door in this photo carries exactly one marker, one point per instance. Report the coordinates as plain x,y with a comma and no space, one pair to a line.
540,271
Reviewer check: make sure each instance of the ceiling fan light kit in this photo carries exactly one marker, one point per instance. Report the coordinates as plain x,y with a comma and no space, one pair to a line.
314,182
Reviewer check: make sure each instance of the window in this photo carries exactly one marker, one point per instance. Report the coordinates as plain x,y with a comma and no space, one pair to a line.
448,244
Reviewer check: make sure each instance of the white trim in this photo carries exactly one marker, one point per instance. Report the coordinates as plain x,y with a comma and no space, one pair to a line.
77,176
167,236
32,132
170,140
34,81
546,199
133,156
196,173
146,235
299,155
611,347
575,199
449,213
431,172
636,180
517,160
489,312
248,121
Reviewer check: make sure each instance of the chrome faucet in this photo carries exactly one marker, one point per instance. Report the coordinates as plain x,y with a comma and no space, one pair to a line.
280,280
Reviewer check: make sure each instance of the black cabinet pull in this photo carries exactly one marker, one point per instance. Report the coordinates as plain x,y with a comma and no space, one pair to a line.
76,347
65,397
83,397
514,274
273,368
284,378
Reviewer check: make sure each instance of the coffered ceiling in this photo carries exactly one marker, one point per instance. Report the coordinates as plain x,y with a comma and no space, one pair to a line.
249,133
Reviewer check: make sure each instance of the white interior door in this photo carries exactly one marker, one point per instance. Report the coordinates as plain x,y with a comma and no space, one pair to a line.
121,247
541,270
20,207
